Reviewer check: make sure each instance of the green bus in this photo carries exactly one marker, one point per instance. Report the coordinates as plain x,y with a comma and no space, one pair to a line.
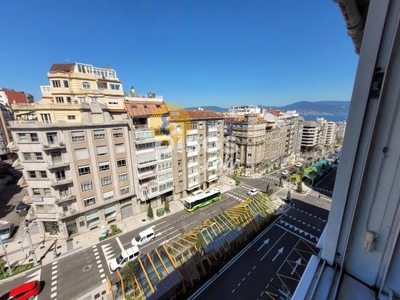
202,199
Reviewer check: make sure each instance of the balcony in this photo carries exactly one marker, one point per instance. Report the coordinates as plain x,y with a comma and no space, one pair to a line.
191,131
64,199
147,174
149,184
53,146
45,215
66,214
212,139
57,164
13,146
193,174
212,149
191,143
212,167
192,163
60,182
212,129
192,153
212,177
192,185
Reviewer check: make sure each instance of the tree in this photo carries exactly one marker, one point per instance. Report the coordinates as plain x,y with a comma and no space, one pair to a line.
2,265
289,196
150,213
300,182
166,205
267,190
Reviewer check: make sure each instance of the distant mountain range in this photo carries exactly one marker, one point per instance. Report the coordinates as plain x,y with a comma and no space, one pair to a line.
302,107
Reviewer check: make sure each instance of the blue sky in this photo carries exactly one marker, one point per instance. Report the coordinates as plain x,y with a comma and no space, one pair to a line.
208,52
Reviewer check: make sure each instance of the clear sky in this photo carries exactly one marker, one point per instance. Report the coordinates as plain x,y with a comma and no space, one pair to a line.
193,52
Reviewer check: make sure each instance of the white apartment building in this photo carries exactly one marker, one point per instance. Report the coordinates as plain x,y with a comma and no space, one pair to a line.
243,110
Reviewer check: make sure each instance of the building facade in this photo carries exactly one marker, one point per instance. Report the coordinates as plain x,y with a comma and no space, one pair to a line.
249,134
243,110
75,151
198,136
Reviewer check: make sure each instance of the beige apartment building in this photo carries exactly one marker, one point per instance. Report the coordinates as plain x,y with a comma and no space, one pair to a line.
75,151
249,132
152,149
198,137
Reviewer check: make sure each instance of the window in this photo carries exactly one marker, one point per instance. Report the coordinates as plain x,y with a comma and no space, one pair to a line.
106,180
104,166
84,170
117,133
121,162
100,86
87,186
52,138
165,176
34,137
36,192
86,85
26,156
165,166
59,99
22,137
64,192
114,86
47,192
166,186
66,83
123,176
45,118
108,195
119,148
101,150
89,201
180,183
43,174
39,155
180,173
56,83
81,153
71,117
124,190
69,100
56,157
31,174
60,175
113,102
78,136
99,134
166,155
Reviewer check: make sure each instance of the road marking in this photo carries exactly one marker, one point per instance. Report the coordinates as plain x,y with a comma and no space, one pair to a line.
249,273
101,270
279,252
119,244
273,245
254,267
233,291
98,261
104,281
244,278
54,282
54,272
54,288
54,277
53,295
239,284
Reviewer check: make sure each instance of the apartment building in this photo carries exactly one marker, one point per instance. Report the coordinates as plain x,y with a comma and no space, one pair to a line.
243,110
293,123
198,136
81,83
6,115
152,150
75,155
341,129
10,96
249,132
275,142
311,136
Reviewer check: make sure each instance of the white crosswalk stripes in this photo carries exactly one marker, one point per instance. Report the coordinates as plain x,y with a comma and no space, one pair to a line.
34,276
99,264
108,252
54,276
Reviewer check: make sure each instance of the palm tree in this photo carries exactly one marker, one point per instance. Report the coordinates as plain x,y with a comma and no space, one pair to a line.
300,173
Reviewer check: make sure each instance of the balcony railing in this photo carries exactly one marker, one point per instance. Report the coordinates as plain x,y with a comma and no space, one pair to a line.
53,146
147,174
64,199
13,146
66,214
57,164
61,182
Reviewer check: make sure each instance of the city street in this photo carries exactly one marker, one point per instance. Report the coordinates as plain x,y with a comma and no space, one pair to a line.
83,270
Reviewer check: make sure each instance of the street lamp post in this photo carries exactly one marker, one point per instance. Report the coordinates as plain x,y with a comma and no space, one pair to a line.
5,255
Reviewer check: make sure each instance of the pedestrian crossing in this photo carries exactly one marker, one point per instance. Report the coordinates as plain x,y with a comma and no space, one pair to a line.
99,264
54,276
32,277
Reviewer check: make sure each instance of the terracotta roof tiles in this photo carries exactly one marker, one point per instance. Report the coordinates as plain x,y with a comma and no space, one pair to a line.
145,108
67,68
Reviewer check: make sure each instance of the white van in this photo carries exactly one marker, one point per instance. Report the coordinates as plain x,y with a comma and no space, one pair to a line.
126,256
143,237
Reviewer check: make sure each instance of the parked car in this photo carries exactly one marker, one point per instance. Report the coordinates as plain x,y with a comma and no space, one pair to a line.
298,165
126,256
21,206
143,237
25,291
253,192
6,231
285,172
